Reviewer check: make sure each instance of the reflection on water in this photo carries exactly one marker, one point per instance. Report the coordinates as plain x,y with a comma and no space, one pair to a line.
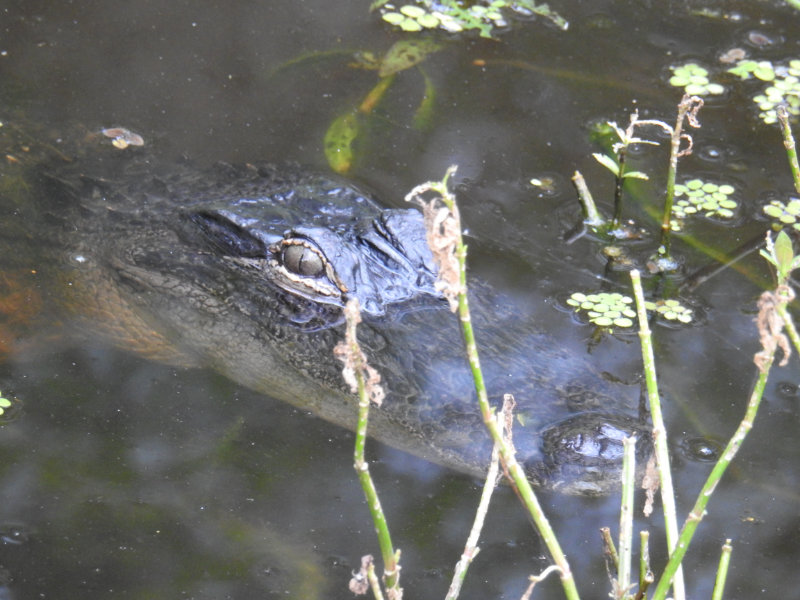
125,477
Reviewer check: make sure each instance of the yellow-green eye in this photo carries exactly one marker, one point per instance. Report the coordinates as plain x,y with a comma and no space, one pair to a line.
301,260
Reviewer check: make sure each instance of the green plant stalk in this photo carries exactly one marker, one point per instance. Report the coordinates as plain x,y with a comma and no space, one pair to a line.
688,106
618,187
518,479
609,547
791,148
626,517
390,557
698,511
645,574
788,326
674,151
471,548
659,430
591,216
722,570
374,583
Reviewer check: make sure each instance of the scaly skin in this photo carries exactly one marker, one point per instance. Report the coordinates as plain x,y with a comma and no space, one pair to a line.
245,270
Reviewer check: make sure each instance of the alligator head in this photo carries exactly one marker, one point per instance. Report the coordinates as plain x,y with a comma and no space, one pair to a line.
246,270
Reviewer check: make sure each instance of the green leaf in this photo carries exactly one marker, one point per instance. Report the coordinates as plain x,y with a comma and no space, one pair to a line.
784,253
338,142
406,54
428,21
393,18
608,162
635,175
412,11
768,257
423,116
410,25
744,68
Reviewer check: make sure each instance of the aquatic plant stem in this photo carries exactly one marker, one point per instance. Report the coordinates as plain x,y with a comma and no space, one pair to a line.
355,363
645,574
791,148
764,360
687,109
518,479
659,430
450,252
788,326
390,557
471,547
591,216
619,183
626,517
722,571
374,583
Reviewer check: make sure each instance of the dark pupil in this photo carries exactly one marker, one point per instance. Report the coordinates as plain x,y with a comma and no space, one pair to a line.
302,261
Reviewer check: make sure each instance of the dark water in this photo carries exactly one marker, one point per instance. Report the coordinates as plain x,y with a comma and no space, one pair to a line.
125,478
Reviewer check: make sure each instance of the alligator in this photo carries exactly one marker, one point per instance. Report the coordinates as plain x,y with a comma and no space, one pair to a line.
245,269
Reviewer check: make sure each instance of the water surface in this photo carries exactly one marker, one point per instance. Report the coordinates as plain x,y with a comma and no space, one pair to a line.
127,478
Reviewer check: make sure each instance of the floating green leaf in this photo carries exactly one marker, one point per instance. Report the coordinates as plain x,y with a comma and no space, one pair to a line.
454,15
672,310
616,310
694,79
784,213
604,309
696,196
784,88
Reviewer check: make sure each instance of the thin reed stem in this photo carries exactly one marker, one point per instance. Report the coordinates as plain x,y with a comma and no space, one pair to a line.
645,574
722,570
451,252
764,360
367,386
591,216
626,517
659,430
687,108
791,148
471,548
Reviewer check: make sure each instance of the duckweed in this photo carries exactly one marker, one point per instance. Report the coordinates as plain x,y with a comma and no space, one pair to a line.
672,310
5,403
694,79
784,88
784,214
702,197
452,16
604,309
616,310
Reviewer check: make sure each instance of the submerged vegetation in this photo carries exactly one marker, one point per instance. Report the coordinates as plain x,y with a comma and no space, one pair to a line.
692,197
775,329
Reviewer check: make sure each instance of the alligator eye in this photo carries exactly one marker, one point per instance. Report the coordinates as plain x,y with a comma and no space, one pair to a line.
301,260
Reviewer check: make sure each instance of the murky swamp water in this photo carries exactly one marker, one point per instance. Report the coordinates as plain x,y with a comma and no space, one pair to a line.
126,478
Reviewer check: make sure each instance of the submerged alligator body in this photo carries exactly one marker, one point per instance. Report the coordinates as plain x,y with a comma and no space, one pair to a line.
246,269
